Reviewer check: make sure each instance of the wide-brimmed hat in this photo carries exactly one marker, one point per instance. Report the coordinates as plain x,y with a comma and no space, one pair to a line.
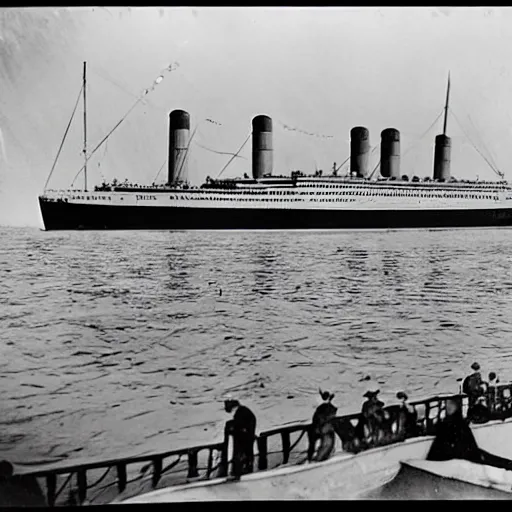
475,366
370,394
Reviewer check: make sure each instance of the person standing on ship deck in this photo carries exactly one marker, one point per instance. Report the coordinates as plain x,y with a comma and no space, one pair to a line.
243,430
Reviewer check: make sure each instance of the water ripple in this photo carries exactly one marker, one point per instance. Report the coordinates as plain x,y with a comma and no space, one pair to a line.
120,343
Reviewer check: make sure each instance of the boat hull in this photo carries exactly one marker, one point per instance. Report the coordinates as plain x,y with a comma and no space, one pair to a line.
342,477
365,475
425,480
60,215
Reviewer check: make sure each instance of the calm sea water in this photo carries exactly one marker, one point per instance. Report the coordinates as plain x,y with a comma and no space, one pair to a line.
116,343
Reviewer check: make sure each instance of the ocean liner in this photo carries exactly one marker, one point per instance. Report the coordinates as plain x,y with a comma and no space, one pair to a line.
297,201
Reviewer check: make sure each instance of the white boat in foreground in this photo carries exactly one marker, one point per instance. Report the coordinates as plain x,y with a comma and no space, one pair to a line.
352,476
448,480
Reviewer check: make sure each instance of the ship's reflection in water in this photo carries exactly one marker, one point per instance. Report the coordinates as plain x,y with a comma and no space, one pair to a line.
265,268
120,339
179,266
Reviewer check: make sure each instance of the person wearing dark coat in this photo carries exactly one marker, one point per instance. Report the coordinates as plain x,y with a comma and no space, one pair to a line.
473,385
372,416
409,416
243,429
322,428
491,391
454,438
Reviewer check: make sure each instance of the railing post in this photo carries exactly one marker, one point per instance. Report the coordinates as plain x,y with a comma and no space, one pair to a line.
121,477
51,489
81,478
427,418
285,437
262,452
210,463
192,464
157,471
223,467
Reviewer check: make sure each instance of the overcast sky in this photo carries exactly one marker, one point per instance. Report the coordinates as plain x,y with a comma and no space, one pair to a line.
320,70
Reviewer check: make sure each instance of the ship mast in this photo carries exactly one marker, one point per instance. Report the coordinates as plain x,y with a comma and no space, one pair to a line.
446,105
85,125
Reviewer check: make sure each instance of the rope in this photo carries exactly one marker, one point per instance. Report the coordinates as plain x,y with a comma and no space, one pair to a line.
100,479
159,171
298,440
311,134
58,493
491,158
373,172
171,465
234,156
145,92
499,173
219,152
342,164
64,138
103,74
424,134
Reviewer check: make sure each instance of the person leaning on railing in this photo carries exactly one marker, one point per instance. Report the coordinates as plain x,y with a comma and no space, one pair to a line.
243,430
322,428
473,385
408,424
454,438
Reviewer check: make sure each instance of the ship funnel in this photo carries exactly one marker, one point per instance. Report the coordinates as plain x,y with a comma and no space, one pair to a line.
262,151
442,158
390,153
179,129
359,151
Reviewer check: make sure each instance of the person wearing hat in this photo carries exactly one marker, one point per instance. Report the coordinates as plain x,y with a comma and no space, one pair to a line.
473,385
408,416
372,415
321,428
243,429
454,438
491,391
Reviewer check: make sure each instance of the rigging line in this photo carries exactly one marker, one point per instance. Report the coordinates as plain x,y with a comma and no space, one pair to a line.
159,171
489,154
498,172
493,167
342,164
101,160
64,138
424,134
373,172
234,156
103,74
219,152
310,134
480,140
106,137
140,99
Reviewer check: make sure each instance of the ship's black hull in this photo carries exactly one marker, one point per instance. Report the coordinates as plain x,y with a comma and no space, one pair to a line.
66,216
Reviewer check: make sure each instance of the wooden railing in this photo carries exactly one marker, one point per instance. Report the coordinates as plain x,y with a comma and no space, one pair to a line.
102,481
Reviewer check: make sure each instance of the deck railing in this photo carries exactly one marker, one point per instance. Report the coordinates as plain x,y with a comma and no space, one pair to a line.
101,481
